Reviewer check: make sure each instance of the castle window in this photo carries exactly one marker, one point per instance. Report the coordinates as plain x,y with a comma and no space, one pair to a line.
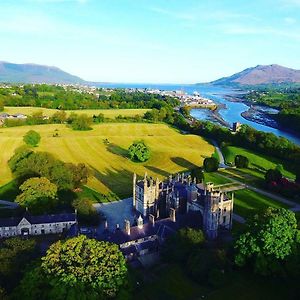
224,209
224,219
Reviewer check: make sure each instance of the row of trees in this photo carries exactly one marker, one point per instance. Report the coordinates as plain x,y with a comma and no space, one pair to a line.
69,99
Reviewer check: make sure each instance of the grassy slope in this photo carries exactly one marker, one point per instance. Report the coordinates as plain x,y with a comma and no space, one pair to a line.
247,202
171,151
258,162
108,113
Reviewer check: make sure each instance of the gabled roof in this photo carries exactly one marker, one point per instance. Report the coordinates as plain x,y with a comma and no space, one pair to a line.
162,228
43,219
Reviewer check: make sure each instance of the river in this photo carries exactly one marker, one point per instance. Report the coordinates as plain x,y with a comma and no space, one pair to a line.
229,111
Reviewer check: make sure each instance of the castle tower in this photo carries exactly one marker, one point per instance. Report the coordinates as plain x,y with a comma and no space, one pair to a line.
134,191
217,213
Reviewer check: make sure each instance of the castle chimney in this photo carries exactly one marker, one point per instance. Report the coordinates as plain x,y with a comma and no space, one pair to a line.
173,214
127,227
117,227
105,225
152,220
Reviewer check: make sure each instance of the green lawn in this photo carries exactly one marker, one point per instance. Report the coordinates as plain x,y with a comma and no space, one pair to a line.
259,163
169,282
112,171
108,113
247,202
215,178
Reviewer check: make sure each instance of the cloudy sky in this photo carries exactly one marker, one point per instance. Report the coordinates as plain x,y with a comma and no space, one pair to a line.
166,41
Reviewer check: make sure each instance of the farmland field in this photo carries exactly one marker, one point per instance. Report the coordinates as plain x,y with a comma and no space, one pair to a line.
171,151
108,113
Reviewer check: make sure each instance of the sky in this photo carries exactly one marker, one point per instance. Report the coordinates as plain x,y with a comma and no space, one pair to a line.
151,41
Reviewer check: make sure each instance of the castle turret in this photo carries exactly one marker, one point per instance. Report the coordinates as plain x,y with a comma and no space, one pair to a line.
140,222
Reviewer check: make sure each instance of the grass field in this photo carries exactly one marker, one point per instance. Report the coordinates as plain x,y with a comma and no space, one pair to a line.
258,163
171,151
247,202
108,113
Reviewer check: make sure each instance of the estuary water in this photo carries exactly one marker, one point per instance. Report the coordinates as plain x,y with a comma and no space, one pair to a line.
230,111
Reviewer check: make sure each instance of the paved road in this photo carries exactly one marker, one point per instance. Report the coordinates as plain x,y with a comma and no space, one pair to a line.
220,154
238,218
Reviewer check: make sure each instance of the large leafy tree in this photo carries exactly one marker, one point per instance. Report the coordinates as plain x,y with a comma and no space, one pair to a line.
87,213
26,164
87,262
210,164
15,253
32,138
80,122
38,194
182,244
269,240
138,151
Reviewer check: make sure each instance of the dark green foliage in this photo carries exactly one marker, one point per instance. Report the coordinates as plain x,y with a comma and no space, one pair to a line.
208,265
32,138
273,175
241,161
38,194
1,105
79,269
210,164
198,174
80,122
15,253
268,242
26,164
138,151
87,213
182,244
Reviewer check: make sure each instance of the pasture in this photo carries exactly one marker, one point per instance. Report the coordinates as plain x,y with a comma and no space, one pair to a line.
108,113
259,163
104,150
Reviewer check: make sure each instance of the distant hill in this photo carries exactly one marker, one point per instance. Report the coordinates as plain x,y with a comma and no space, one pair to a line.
32,73
261,75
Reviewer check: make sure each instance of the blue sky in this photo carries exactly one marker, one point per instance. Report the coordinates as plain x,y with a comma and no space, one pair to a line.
166,41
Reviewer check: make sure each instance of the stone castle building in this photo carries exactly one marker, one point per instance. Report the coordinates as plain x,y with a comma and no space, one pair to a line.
181,195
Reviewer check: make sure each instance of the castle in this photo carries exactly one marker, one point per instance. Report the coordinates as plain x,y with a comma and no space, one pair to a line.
182,195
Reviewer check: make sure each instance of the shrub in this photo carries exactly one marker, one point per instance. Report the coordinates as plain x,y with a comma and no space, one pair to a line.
138,151
32,138
210,164
241,161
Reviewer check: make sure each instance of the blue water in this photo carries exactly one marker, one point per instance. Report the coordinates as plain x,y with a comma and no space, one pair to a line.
230,114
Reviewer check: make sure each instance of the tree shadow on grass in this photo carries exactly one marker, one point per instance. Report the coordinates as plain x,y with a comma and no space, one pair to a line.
182,162
115,149
119,182
158,171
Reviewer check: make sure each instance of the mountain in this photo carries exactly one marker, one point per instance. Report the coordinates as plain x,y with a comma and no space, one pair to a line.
32,73
269,74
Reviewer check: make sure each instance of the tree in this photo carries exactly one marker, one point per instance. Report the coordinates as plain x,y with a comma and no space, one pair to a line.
38,194
138,151
59,117
80,173
85,264
15,253
87,213
241,161
1,105
182,244
198,174
32,138
268,241
210,164
273,175
81,122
